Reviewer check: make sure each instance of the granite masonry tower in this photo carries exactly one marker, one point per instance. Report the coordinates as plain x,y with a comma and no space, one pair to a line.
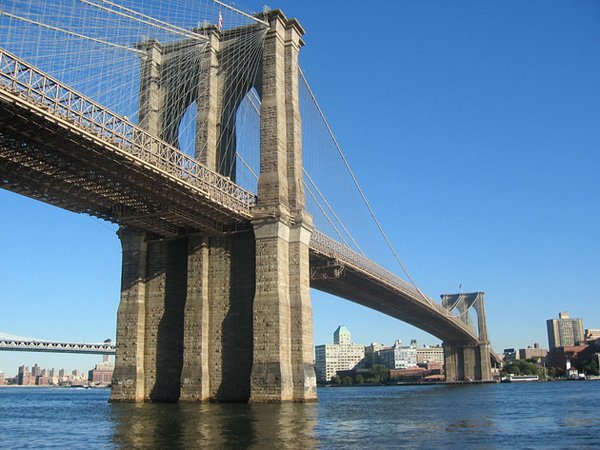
468,361
223,316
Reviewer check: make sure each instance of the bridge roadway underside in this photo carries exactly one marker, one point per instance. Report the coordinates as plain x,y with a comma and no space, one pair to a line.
49,160
359,287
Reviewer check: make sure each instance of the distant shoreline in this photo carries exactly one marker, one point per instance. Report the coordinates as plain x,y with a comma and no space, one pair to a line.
28,386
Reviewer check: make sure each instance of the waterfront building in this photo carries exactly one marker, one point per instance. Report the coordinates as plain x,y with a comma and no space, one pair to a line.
371,353
36,371
2,378
398,356
428,355
341,355
102,372
534,352
53,376
591,334
564,331
24,377
564,357
42,381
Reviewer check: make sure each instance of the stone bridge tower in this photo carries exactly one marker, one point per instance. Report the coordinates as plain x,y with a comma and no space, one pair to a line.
223,316
468,362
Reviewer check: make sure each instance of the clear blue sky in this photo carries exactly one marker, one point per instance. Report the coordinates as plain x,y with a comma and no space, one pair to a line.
474,127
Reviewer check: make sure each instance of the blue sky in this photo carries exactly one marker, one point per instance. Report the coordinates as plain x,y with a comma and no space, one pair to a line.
474,127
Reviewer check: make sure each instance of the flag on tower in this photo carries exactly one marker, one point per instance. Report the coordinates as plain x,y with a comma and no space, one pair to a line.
220,22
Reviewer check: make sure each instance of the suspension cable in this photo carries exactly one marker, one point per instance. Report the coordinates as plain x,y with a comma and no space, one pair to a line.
360,190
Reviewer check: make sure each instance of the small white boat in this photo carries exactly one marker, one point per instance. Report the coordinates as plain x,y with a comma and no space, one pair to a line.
515,378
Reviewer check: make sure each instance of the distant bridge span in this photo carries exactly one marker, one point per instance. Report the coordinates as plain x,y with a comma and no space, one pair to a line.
21,344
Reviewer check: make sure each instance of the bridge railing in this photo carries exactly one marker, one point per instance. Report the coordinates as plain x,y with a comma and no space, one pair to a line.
49,93
336,250
329,246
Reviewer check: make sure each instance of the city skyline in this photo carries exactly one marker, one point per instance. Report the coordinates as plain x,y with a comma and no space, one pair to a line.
488,113
43,367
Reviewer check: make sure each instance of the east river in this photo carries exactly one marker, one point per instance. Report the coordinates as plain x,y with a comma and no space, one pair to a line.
525,415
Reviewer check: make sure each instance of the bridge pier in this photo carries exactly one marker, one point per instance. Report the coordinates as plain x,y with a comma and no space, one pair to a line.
467,362
184,325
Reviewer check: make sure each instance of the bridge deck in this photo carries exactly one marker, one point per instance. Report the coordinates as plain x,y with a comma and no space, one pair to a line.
362,281
58,146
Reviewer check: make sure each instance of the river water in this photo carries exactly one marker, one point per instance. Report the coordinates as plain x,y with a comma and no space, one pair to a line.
526,415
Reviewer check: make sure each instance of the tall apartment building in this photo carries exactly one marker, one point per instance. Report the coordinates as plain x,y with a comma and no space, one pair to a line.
25,377
564,331
341,355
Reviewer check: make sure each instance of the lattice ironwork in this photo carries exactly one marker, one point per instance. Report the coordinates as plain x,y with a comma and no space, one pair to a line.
32,345
24,80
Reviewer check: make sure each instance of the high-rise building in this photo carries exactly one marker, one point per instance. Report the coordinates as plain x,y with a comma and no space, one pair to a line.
564,331
342,336
2,378
341,355
36,371
25,377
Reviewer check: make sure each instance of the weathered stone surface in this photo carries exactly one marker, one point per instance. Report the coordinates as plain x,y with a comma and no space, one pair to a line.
128,377
224,318
468,362
195,371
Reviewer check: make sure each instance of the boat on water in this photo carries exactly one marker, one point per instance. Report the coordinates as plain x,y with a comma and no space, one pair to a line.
516,378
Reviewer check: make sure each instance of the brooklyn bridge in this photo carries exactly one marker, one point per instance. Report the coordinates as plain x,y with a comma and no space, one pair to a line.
188,131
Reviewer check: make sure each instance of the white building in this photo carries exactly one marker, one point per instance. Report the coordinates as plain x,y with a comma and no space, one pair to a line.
341,355
398,356
430,354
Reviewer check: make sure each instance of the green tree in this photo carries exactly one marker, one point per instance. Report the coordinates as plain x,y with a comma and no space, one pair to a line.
379,374
522,367
335,380
347,380
591,367
556,372
359,379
